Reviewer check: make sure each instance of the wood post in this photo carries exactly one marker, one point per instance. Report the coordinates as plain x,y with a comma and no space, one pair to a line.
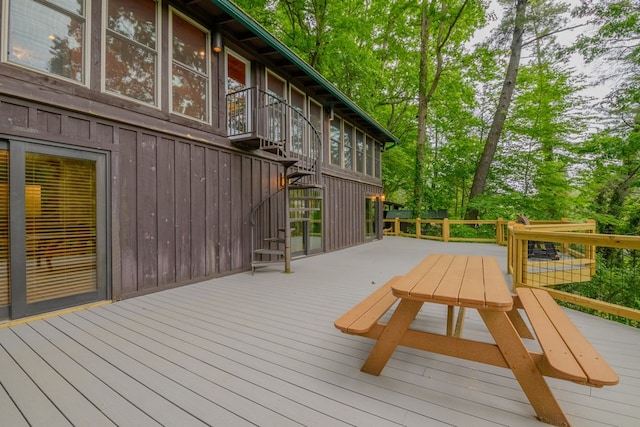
445,230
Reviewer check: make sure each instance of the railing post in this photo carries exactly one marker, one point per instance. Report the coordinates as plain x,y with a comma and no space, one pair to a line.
418,227
445,230
591,249
520,257
510,248
499,231
396,226
287,225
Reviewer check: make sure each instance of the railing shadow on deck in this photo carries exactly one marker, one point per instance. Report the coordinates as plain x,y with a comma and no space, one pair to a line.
592,272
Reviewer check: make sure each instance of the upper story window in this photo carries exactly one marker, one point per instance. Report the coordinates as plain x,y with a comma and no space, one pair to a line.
359,151
378,160
336,141
276,112
237,80
348,146
48,36
131,54
298,122
369,148
189,68
315,117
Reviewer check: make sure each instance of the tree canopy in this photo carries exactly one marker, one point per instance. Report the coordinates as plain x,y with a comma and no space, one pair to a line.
435,72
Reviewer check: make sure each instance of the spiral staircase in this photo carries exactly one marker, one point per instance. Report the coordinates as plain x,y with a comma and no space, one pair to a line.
259,120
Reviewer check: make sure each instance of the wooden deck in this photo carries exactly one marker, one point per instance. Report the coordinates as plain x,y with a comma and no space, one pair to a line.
262,350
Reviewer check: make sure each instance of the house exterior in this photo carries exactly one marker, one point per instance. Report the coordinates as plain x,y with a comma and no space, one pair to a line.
150,144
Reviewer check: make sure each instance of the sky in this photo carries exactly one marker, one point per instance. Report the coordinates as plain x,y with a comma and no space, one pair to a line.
593,71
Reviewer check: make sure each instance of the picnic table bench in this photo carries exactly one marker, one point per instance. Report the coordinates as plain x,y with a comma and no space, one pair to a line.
477,282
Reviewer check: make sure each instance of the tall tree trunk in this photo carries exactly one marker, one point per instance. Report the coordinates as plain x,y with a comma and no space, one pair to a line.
425,91
423,105
490,146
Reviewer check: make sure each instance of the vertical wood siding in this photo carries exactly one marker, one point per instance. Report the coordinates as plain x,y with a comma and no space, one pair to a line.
180,209
345,211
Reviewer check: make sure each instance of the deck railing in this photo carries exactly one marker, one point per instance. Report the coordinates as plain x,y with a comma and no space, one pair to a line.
448,230
594,272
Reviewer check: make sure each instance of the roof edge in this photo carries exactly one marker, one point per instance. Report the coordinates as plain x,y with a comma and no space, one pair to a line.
255,27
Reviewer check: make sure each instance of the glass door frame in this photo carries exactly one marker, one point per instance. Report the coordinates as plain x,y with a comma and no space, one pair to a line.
17,233
303,200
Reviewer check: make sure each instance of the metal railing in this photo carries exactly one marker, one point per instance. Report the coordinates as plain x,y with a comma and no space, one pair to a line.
279,127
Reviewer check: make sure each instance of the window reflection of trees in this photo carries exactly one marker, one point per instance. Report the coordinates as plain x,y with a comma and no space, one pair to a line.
189,71
348,146
275,116
369,165
297,130
237,96
335,142
48,39
189,93
131,52
359,151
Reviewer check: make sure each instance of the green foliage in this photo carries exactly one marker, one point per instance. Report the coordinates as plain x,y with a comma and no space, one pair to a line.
551,162
481,231
617,281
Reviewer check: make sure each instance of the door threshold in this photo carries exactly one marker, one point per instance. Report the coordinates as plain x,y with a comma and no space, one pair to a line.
9,323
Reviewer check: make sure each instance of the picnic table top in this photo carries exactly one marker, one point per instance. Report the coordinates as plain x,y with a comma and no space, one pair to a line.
460,280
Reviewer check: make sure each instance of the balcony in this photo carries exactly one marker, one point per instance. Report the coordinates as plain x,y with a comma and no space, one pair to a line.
260,120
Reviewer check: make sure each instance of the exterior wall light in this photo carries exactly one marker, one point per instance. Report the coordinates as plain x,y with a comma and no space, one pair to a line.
217,42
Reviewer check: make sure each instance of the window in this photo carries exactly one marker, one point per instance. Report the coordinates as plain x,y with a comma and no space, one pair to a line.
370,148
378,155
348,146
189,69
237,73
315,117
371,217
131,54
60,215
48,36
238,99
275,109
336,141
359,151
298,122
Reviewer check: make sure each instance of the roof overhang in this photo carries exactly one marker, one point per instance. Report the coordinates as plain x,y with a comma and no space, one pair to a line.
232,20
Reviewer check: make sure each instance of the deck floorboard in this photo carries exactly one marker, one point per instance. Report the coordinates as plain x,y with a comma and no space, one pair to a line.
262,350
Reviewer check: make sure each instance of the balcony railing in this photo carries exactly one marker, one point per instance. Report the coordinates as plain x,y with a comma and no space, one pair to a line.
257,119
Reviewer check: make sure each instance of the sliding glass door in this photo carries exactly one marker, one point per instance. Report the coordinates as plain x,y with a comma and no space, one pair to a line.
53,219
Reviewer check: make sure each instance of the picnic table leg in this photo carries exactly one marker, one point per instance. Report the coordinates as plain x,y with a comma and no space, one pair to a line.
524,368
459,322
450,313
386,344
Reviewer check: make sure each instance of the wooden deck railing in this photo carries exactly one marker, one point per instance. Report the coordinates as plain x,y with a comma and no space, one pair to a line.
581,276
448,230
573,278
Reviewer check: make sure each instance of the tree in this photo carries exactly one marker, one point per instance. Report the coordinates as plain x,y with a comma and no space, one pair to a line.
500,115
444,27
613,180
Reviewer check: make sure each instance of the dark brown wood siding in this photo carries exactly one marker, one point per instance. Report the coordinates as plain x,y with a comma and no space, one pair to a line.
345,211
179,209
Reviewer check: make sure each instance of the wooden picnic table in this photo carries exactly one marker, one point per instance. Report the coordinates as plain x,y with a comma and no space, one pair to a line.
477,282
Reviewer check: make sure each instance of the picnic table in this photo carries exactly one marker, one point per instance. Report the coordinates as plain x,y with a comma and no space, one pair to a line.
477,282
